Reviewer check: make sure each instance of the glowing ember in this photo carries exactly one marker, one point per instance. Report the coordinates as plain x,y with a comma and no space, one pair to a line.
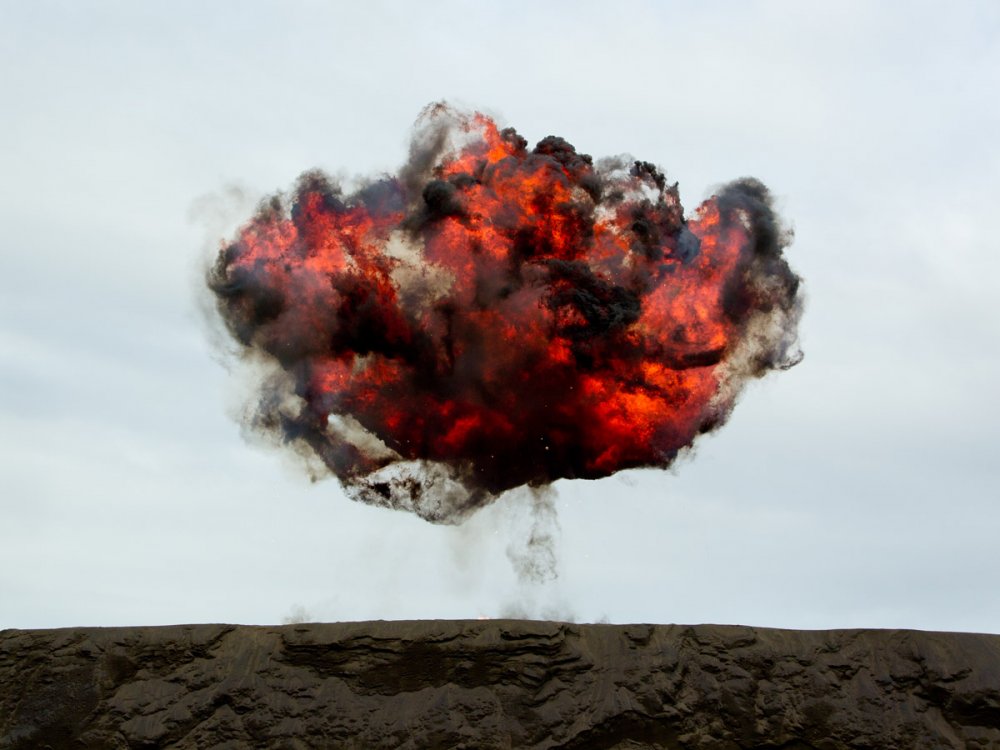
497,316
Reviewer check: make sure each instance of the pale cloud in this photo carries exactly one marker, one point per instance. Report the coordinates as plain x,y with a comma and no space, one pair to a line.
855,490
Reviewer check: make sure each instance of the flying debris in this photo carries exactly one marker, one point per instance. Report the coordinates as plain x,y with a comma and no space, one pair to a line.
496,315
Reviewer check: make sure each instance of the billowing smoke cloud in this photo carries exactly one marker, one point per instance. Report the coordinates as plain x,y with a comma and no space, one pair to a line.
497,315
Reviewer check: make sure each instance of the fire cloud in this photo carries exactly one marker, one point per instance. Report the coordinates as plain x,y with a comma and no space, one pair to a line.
497,315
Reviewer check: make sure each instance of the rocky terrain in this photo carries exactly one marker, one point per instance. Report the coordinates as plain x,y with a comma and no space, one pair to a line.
497,684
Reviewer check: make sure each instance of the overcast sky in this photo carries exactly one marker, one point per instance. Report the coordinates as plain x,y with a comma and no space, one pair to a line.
859,489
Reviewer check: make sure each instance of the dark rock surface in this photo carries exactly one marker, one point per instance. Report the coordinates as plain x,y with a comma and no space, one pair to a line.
497,684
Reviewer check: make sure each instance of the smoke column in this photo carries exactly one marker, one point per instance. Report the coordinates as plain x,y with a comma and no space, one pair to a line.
496,315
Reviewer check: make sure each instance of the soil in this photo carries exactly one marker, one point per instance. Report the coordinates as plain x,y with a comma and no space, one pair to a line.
497,684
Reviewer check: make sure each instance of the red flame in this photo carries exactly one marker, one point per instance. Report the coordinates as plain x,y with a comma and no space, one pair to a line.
498,316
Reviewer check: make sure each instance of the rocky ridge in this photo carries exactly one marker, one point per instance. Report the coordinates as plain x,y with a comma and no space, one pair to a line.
497,684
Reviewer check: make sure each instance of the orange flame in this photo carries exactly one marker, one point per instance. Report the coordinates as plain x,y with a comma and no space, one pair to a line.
498,316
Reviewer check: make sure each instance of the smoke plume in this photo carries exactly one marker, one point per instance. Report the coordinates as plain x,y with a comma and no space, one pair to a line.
496,315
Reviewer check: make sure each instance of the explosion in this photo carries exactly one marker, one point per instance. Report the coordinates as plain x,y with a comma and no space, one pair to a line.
496,316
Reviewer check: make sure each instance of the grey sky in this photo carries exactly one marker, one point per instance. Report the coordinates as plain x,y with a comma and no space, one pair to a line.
858,489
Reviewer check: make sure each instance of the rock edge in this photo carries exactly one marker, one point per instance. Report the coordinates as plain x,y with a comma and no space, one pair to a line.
497,684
